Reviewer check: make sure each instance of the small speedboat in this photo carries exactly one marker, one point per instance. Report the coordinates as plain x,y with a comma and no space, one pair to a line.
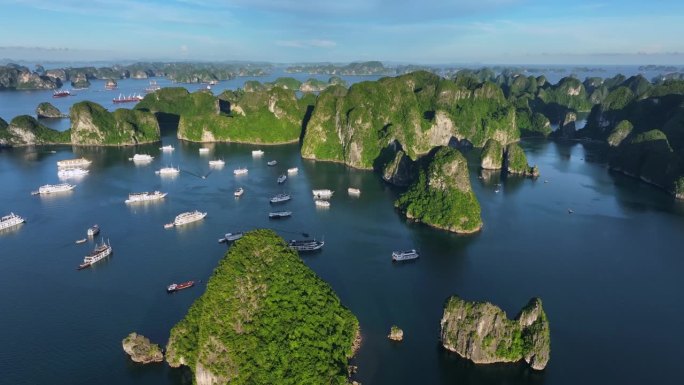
231,237
238,193
353,191
322,203
292,170
279,214
257,153
82,240
272,162
282,179
168,225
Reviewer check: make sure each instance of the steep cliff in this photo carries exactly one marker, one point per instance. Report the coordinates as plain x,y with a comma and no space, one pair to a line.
265,318
264,115
492,155
25,130
93,125
141,350
419,110
47,110
442,196
13,76
482,333
515,161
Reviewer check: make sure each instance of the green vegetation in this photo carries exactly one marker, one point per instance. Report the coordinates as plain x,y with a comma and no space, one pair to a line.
516,161
287,82
92,124
569,93
264,115
619,133
265,318
481,332
47,110
25,130
442,196
419,111
491,157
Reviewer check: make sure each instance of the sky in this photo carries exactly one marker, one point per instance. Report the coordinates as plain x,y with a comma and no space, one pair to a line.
401,31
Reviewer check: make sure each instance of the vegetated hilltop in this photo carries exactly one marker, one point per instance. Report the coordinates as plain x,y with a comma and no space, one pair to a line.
265,318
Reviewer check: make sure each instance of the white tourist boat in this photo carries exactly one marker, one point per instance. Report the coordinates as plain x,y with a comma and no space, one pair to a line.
168,171
188,217
257,153
280,198
279,214
167,148
71,172
141,158
404,255
70,163
238,193
93,230
231,237
353,191
240,171
10,220
53,188
217,163
100,252
281,179
306,245
203,150
272,162
145,196
322,194
322,203
292,170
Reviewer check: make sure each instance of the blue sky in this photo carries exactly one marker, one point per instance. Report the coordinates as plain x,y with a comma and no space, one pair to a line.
419,31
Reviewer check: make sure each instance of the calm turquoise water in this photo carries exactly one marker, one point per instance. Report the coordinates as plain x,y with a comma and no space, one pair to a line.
609,274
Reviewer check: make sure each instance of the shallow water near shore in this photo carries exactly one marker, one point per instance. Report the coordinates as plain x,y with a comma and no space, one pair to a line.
608,273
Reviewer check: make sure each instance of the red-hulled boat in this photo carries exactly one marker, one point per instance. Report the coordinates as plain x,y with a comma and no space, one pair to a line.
179,286
61,93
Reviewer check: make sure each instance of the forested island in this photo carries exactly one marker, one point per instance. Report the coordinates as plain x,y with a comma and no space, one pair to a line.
396,125
265,318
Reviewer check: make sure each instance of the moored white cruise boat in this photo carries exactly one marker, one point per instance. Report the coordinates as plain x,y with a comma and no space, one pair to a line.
353,191
71,172
145,196
168,171
238,192
99,253
231,237
240,171
279,214
53,188
188,217
404,255
281,179
167,148
306,245
322,194
322,203
272,162
217,163
141,158
203,150
292,170
78,162
10,220
257,153
280,198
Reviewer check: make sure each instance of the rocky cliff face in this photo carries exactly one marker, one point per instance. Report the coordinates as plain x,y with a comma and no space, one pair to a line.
46,110
419,111
19,77
492,155
400,171
141,350
80,80
25,130
442,196
93,125
516,162
482,333
267,116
